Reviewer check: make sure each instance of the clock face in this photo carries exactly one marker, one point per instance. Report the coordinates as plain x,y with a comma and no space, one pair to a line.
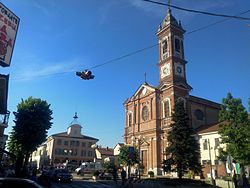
179,69
165,70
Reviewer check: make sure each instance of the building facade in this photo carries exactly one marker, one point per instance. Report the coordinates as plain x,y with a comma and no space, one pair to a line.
148,112
69,147
210,142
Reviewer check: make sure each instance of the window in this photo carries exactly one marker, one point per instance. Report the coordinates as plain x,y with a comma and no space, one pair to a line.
90,153
199,114
57,151
83,153
205,144
204,162
135,113
216,162
164,46
177,45
166,108
72,142
90,144
66,142
77,143
75,152
59,142
145,113
130,119
216,143
83,144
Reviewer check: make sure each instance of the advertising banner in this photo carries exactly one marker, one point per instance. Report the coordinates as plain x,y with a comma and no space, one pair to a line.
4,82
9,23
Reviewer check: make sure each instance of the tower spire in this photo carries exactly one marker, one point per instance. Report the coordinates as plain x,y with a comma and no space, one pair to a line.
145,77
75,116
169,1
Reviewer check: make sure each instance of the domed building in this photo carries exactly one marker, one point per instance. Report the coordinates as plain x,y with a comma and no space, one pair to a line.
70,146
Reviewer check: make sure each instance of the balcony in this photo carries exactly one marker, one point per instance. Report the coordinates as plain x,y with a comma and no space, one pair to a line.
166,122
4,119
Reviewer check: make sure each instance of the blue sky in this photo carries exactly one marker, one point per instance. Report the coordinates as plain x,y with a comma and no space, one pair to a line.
58,37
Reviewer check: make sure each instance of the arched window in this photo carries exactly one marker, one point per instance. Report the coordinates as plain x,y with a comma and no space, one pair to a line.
145,113
166,108
164,46
130,116
199,114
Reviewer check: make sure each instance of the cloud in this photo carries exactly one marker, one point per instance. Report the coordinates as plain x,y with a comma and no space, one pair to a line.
161,10
31,67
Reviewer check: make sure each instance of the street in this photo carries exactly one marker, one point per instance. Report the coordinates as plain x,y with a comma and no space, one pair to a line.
82,184
100,184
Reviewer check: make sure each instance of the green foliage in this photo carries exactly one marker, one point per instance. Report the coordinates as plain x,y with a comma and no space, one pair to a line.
32,121
96,173
125,158
235,130
183,151
109,166
151,173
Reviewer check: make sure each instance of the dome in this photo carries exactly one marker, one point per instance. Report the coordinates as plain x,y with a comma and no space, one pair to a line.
170,19
75,121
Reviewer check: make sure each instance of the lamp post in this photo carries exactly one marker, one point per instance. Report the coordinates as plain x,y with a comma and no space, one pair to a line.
211,169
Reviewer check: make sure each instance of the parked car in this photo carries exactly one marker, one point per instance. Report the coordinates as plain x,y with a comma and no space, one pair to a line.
18,182
61,175
105,176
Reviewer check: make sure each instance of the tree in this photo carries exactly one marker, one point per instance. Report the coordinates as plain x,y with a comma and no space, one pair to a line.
235,130
128,156
32,121
183,151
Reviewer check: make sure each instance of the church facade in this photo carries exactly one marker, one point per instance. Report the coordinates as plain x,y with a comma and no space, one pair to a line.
148,112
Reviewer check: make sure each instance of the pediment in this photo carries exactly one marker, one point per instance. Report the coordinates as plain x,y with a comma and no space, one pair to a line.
143,90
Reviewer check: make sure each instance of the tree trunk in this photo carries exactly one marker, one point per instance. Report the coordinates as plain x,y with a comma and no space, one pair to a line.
19,166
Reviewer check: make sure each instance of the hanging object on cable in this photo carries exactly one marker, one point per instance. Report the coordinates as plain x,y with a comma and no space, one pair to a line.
85,75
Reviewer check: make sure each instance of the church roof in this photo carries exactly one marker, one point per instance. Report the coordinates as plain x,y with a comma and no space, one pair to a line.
144,85
65,135
204,101
208,128
169,19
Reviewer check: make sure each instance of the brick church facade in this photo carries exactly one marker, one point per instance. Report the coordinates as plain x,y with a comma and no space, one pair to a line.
148,112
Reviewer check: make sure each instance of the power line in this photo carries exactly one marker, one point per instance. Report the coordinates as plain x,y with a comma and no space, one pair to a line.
197,11
215,23
124,56
139,50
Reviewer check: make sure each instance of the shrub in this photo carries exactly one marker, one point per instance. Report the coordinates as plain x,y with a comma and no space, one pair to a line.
96,173
150,173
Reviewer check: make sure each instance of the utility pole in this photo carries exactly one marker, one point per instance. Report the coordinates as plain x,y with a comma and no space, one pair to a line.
211,168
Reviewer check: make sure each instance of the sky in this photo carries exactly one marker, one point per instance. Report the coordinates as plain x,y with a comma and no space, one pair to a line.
58,37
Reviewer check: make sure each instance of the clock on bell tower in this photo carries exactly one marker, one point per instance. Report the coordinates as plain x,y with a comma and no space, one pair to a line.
171,51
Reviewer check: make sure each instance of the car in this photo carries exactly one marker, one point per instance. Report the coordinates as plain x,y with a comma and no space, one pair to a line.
61,174
106,176
18,182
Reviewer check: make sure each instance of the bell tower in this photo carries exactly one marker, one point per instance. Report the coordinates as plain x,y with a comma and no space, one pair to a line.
171,52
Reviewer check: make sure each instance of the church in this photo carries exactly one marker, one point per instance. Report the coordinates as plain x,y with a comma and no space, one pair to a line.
148,112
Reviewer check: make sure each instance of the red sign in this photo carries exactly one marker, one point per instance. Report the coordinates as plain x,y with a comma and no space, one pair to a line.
9,23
